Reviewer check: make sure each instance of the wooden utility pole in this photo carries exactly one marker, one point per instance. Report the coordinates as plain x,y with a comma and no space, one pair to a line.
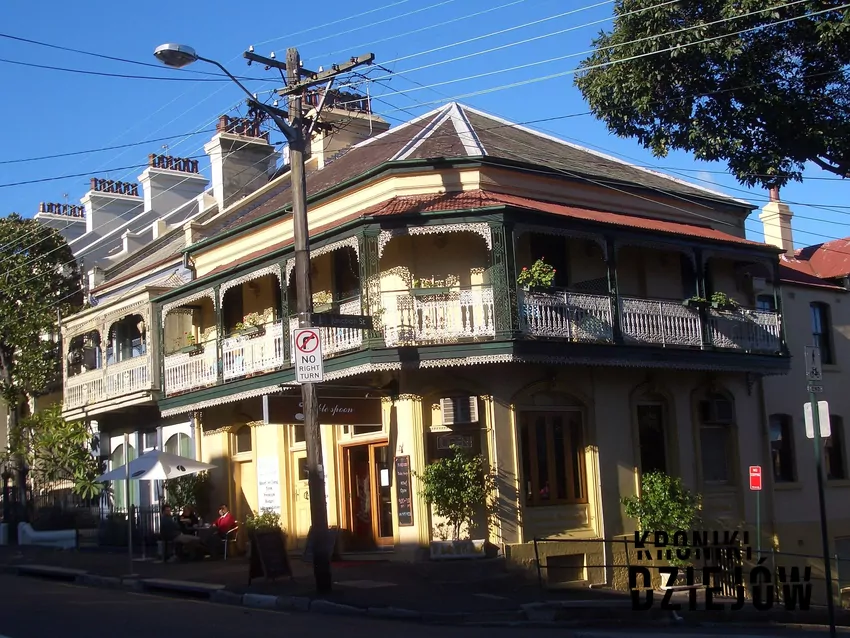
298,140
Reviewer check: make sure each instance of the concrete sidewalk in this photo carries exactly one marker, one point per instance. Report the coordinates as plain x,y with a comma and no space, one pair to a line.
479,592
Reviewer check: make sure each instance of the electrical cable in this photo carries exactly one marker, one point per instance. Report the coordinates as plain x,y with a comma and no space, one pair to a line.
116,59
22,160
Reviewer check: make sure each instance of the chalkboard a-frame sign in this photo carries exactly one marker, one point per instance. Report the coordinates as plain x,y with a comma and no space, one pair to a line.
269,558
403,491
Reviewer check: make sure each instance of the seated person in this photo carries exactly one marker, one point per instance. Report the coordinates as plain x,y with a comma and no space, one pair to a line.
225,521
223,524
170,532
188,520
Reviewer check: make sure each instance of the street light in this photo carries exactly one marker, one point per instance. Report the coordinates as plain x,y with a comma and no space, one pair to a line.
178,56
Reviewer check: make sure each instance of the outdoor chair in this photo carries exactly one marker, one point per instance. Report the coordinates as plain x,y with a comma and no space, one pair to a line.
230,537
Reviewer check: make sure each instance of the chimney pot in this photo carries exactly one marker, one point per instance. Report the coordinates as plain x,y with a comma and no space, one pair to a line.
774,194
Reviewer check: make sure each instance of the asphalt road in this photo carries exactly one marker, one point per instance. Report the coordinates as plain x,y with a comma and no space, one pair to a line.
31,608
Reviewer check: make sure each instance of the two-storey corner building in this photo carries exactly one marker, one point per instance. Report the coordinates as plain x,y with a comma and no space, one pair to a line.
112,361
570,391
816,311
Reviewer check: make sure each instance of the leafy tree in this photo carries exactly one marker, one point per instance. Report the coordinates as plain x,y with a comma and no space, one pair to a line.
58,451
458,487
663,505
766,101
39,279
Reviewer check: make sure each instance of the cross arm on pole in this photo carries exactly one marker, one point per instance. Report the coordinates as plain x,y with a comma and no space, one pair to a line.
324,76
273,63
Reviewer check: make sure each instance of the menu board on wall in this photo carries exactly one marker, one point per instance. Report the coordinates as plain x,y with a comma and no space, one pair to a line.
403,491
268,484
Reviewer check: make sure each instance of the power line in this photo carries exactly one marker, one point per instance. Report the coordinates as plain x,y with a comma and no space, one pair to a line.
111,57
103,148
114,75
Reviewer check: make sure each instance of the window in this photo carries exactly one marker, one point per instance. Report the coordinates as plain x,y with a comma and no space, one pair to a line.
821,332
717,414
651,438
553,458
834,465
243,440
766,303
782,448
181,445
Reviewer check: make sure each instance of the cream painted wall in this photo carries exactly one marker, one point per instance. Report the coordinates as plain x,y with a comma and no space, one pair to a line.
796,504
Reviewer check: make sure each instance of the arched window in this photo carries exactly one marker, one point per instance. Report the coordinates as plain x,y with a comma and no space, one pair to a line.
243,440
716,419
181,445
835,464
116,460
782,448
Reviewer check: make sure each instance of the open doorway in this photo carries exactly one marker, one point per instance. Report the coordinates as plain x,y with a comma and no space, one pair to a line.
368,496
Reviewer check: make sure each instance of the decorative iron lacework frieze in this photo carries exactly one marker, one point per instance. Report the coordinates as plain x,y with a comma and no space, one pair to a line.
208,293
231,398
480,228
352,242
273,269
599,240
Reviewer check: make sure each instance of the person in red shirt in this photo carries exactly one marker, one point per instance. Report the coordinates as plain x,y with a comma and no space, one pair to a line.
225,521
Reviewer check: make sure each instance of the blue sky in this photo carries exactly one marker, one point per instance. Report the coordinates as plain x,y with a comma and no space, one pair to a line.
48,112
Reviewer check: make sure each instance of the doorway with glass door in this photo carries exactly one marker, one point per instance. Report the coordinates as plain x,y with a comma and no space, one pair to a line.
368,493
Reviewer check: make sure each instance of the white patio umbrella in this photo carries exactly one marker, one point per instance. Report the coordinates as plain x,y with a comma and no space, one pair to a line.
151,466
156,466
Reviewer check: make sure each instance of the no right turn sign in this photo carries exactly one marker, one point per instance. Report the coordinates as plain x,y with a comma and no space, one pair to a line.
309,367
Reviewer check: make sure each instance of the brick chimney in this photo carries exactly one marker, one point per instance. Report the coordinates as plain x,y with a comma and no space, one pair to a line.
68,219
169,182
242,158
109,204
346,120
776,222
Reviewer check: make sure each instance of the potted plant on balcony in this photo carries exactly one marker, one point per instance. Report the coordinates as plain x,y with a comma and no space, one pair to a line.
540,277
191,347
459,488
723,302
696,302
251,327
323,301
431,286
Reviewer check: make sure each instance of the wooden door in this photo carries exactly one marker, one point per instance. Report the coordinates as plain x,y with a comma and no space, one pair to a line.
368,495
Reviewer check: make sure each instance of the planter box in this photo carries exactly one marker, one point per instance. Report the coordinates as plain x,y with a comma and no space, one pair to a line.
323,307
724,307
422,292
452,550
193,350
541,290
692,303
251,331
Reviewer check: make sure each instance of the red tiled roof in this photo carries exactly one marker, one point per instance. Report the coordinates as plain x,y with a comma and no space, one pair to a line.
478,199
481,199
796,271
828,260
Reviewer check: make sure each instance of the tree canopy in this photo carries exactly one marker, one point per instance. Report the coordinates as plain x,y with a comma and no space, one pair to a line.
764,89
39,278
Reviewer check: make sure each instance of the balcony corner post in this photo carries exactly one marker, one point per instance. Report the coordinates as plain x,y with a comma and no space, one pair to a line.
219,336
503,280
370,284
158,357
702,291
283,282
613,290
777,302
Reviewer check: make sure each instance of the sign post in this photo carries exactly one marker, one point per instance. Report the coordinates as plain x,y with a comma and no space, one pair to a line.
812,414
755,486
309,366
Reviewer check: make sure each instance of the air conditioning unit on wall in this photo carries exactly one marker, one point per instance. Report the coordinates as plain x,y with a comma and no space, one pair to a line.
459,410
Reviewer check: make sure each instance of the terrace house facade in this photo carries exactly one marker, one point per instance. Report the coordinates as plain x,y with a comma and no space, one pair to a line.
570,391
